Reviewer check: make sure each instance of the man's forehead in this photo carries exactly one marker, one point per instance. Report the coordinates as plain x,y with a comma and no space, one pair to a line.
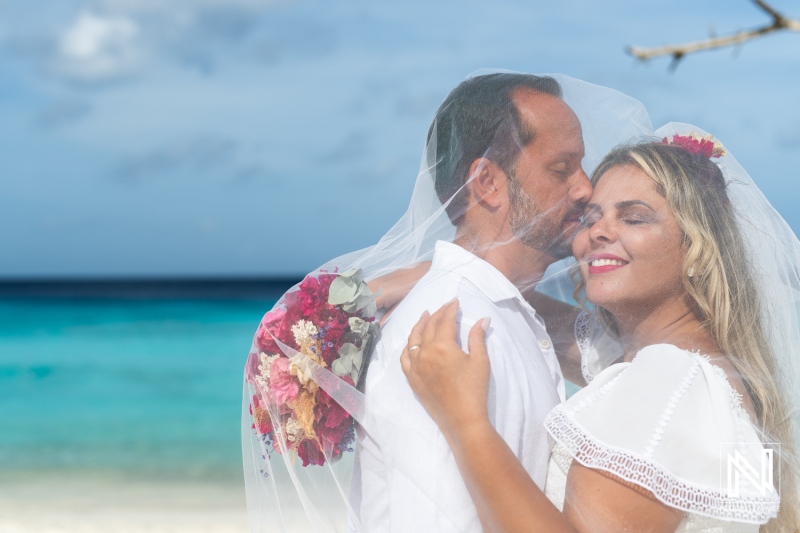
532,102
543,111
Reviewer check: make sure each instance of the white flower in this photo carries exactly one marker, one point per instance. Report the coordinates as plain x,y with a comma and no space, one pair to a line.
304,332
293,429
262,379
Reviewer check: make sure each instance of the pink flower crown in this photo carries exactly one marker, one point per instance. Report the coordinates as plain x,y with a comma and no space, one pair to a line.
693,143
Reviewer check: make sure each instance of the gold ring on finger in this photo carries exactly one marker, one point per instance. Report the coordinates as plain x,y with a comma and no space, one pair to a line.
413,347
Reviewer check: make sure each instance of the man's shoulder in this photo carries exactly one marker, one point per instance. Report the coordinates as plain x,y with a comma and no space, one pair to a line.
432,292
438,287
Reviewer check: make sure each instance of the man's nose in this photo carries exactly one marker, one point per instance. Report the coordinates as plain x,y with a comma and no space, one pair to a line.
581,190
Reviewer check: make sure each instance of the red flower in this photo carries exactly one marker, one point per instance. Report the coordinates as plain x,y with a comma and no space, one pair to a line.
332,435
335,416
332,420
310,296
310,453
704,147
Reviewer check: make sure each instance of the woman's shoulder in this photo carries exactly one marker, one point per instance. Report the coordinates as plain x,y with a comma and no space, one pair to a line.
665,421
713,387
662,374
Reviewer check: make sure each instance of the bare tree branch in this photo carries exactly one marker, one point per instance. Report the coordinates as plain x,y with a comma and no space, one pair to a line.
678,51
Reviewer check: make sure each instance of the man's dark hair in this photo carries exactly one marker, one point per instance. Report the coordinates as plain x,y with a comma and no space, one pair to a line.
478,119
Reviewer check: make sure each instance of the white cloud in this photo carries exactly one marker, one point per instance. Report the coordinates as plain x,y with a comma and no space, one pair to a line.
97,47
111,39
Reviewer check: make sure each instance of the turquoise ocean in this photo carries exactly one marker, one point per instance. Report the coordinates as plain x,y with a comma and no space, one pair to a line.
143,388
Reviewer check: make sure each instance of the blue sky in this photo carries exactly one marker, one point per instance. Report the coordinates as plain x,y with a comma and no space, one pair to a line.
263,137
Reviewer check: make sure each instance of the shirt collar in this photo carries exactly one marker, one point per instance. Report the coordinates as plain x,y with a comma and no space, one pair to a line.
486,278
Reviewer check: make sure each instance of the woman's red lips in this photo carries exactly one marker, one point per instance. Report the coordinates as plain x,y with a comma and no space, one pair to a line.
600,263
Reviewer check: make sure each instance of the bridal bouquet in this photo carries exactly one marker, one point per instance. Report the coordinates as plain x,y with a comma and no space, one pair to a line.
328,322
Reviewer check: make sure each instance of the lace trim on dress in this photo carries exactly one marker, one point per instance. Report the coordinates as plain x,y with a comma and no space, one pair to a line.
664,485
583,327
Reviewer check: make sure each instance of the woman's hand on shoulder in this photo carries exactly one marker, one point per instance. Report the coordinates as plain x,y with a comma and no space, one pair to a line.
451,384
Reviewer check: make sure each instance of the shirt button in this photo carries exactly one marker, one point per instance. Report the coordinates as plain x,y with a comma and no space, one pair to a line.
545,344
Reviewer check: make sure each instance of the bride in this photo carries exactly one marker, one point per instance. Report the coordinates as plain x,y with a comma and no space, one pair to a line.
688,278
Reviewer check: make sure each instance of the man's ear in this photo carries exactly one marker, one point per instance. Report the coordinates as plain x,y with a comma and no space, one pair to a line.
488,182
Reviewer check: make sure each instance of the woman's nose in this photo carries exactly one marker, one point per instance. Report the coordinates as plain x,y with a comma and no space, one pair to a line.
601,231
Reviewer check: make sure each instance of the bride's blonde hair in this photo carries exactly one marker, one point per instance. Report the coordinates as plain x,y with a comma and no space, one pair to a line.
718,278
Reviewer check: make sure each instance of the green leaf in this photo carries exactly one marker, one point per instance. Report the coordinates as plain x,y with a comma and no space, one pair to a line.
358,326
342,366
342,291
348,349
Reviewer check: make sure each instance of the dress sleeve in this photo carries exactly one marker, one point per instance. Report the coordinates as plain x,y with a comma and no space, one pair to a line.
598,347
671,423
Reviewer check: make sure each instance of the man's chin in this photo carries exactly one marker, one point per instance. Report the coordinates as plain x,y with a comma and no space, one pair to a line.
560,250
561,246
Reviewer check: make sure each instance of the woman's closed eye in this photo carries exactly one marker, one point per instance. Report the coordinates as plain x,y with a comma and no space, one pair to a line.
636,215
634,220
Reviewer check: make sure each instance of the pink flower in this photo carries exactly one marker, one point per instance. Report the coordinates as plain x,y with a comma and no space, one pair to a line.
283,386
270,327
252,366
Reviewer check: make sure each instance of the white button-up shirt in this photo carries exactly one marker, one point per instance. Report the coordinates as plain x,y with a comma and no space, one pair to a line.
405,477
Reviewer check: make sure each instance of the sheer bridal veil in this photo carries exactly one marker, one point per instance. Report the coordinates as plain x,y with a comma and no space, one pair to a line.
284,495
301,401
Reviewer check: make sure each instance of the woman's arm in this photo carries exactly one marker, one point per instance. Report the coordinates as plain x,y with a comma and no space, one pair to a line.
453,386
396,285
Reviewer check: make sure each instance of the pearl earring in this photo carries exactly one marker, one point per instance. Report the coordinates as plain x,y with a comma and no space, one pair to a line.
690,273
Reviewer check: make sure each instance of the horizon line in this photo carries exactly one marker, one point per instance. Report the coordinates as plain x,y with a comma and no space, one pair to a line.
148,288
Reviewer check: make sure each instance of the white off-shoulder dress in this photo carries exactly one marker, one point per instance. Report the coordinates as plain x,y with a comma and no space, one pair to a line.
667,421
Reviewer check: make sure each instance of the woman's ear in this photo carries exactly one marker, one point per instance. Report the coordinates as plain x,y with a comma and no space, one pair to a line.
487,182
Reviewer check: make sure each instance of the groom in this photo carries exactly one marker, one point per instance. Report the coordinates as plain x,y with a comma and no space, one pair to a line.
506,152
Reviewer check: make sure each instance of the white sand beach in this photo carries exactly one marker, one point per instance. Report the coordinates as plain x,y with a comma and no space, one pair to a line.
111,504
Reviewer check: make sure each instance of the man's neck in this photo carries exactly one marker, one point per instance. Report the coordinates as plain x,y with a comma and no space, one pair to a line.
520,264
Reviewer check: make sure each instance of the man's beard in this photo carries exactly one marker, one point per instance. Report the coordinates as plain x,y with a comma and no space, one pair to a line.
533,227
